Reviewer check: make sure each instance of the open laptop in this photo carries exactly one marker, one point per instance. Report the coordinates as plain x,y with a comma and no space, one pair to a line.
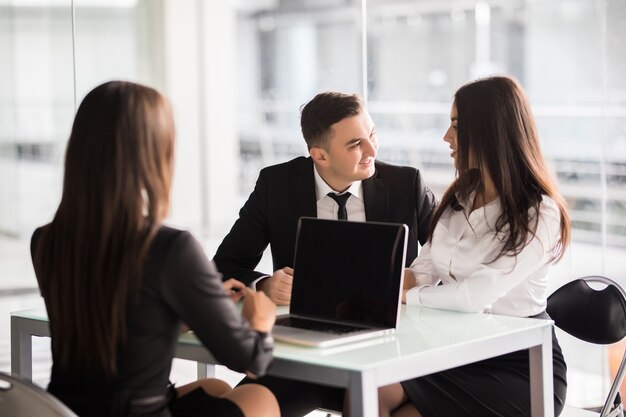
347,282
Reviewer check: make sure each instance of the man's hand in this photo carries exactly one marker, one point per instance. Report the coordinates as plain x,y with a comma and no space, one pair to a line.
234,289
278,286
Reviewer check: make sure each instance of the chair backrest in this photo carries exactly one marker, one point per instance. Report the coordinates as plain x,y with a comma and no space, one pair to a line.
21,398
595,316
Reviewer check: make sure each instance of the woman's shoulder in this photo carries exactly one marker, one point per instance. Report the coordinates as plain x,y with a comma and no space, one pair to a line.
176,257
169,238
548,208
177,245
169,232
548,221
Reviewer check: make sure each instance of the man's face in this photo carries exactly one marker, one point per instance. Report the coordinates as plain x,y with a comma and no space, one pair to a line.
350,153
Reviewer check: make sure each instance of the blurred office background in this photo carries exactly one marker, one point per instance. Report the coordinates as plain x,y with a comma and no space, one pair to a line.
237,72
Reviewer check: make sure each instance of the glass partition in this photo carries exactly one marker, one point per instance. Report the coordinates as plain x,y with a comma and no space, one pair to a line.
288,51
238,72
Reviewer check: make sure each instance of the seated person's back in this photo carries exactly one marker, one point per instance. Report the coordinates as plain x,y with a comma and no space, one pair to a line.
118,284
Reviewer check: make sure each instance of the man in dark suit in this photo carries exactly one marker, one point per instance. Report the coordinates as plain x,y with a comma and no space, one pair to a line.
340,179
342,143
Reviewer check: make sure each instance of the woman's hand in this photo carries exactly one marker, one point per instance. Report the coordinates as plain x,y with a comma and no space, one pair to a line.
409,282
234,289
409,279
259,310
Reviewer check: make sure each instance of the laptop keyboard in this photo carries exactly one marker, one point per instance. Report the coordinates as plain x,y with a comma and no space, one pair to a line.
317,325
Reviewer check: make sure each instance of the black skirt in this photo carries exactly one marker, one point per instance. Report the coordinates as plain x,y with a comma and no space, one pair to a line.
496,387
198,403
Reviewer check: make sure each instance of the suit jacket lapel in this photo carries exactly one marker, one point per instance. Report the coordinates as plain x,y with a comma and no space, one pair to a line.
375,198
303,190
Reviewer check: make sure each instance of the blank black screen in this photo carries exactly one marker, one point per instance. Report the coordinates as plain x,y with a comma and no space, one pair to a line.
348,271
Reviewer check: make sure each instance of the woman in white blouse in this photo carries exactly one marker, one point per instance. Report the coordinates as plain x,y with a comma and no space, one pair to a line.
498,228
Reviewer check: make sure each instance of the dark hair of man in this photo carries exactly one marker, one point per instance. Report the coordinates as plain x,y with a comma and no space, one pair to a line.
118,169
324,110
497,131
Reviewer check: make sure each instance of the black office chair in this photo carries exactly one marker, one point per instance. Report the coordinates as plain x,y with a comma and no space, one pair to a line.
21,398
595,316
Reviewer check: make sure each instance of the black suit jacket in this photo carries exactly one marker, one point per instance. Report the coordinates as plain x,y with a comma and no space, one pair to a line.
286,192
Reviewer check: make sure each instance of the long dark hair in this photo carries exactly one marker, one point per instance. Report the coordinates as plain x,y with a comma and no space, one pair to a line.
118,169
496,131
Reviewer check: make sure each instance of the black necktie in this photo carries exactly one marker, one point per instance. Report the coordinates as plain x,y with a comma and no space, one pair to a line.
342,213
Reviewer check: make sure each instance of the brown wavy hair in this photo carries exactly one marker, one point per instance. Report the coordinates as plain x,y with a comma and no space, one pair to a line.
118,170
496,130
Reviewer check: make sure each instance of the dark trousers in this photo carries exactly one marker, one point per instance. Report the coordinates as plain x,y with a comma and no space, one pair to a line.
297,398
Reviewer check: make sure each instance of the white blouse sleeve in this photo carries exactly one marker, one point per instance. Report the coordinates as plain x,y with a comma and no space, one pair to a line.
485,285
423,269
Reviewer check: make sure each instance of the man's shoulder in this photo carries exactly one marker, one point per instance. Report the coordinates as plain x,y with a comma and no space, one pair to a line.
36,235
297,164
386,168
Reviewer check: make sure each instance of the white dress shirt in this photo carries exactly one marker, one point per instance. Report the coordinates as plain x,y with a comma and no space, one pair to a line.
464,244
327,207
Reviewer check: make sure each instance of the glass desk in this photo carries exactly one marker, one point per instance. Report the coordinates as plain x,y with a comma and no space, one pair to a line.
427,341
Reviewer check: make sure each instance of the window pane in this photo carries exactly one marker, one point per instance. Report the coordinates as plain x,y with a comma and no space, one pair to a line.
288,52
569,57
36,107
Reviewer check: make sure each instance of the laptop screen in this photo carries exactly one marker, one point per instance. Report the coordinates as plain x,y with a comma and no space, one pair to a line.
348,271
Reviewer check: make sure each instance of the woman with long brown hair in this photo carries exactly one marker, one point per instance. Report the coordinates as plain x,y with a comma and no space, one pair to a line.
495,233
118,284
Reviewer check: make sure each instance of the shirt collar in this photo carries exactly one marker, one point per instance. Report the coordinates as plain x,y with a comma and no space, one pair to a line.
322,189
469,202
